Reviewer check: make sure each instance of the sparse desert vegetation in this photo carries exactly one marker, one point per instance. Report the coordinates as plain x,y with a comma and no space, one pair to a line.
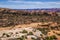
29,25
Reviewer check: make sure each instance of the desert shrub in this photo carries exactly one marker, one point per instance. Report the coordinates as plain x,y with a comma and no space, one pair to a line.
43,30
22,38
24,31
33,38
6,35
51,38
58,34
30,33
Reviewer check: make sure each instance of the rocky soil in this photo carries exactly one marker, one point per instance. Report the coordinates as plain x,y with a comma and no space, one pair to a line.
29,25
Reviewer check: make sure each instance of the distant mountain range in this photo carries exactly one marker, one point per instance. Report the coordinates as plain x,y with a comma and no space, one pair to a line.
47,9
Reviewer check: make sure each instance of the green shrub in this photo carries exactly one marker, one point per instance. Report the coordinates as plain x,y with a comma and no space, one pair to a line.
24,31
30,33
51,38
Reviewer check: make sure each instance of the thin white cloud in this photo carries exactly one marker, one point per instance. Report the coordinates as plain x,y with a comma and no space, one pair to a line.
29,4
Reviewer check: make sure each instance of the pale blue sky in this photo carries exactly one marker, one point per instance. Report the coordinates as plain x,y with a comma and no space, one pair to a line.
29,4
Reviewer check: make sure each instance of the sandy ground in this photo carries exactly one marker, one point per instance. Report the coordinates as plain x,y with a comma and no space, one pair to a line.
35,25
20,26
